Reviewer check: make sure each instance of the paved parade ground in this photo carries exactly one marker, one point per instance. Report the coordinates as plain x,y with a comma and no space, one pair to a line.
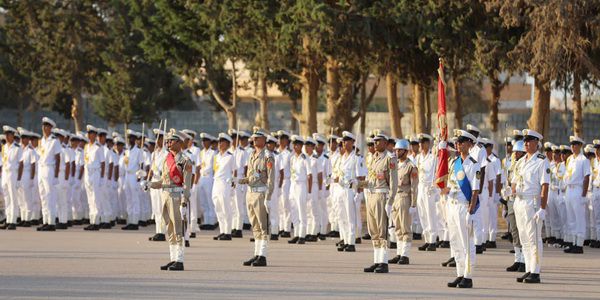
125,265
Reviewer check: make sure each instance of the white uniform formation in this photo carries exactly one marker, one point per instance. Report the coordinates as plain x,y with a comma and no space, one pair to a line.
96,178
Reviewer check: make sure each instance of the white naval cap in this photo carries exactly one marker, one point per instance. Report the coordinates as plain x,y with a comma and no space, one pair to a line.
508,140
2,137
90,128
401,144
206,136
565,148
35,135
23,132
271,139
548,146
424,136
119,140
225,136
58,131
575,139
379,135
243,134
115,134
190,132
589,148
333,137
471,127
517,132
282,133
531,134
485,141
258,132
149,141
133,133
347,135
297,139
519,146
158,131
309,140
555,148
412,139
370,141
46,120
459,133
596,143
319,138
7,129
100,131
173,135
184,135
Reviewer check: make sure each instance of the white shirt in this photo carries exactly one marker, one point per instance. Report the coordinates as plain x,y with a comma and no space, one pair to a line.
472,173
531,173
11,157
205,161
300,167
158,159
79,161
285,157
596,173
426,165
241,160
223,165
93,156
316,167
28,159
134,158
578,166
49,147
350,167
193,156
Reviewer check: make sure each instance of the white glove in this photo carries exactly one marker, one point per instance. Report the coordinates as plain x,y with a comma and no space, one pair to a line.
145,186
388,210
268,206
540,215
507,192
183,210
469,220
412,211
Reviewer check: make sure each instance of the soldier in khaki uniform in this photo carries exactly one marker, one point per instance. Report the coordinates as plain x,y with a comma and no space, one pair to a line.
175,183
260,180
382,182
405,203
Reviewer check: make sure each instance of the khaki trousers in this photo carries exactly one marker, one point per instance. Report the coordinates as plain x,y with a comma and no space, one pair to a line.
171,216
257,214
377,222
402,218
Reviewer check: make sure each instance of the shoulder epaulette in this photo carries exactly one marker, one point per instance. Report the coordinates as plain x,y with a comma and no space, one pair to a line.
325,155
541,156
315,155
276,152
228,152
472,160
303,156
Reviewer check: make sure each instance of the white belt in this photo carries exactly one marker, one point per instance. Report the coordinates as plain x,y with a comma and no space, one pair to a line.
521,196
173,190
379,191
258,189
574,186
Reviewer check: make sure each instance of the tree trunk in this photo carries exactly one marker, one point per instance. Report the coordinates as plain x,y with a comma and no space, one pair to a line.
458,117
76,112
577,109
293,121
231,118
418,108
496,88
540,113
427,110
310,90
262,116
362,110
393,105
333,94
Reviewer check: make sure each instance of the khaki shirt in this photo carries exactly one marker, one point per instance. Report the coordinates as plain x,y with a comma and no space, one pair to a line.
261,171
383,173
184,164
408,179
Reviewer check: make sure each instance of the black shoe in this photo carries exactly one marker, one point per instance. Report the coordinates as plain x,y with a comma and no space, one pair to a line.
366,236
62,226
113,223
216,238
452,264
551,240
150,222
404,260
77,222
193,235
478,249
576,250
274,237
140,223
34,222
483,247
595,244
341,247
87,221
393,245
340,242
121,221
236,233
166,267
91,227
515,267
205,227
431,247
382,268
128,227
522,268
445,244
301,241
294,240
321,237
261,261
159,237
465,283
491,245
11,226
311,238
506,236
26,224
350,248
177,266
358,241
371,269
395,259
520,279
246,226
107,226
49,228
286,234
252,240
587,242
225,237
333,234
423,247
417,236
532,278
455,282
445,264
512,251
187,244
250,261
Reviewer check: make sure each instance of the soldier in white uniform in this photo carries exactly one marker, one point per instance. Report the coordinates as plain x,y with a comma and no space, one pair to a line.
530,184
205,183
49,166
274,205
576,180
12,172
223,168
285,221
134,160
595,218
323,160
479,154
313,208
63,205
462,190
193,153
95,168
489,208
428,192
300,188
154,174
25,190
590,230
332,188
77,198
519,260
239,195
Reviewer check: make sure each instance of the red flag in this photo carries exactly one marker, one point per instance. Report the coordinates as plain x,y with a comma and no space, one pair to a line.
442,167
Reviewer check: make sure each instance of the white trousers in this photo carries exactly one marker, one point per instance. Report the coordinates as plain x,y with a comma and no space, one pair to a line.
48,194
347,215
91,181
78,211
274,211
63,204
530,232
332,207
313,211
358,199
426,202
493,219
9,189
239,209
298,198
461,237
552,224
482,226
575,214
207,207
25,198
285,207
221,196
155,197
442,218
132,198
193,210
596,210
